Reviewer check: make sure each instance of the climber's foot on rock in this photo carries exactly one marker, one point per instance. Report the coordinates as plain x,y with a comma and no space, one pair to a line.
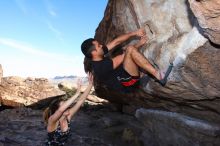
163,77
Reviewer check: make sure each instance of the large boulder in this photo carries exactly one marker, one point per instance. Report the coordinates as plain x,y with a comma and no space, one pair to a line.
170,128
174,36
208,14
17,91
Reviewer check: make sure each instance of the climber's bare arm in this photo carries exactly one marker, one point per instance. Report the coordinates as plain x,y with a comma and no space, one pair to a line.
124,37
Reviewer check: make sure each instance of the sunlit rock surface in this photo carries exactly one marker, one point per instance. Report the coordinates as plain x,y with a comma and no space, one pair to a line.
17,91
208,14
175,35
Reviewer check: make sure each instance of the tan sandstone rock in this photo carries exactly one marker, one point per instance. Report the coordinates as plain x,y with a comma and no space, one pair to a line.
17,91
208,14
174,36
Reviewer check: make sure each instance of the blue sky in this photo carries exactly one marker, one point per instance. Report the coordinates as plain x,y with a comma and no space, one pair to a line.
42,38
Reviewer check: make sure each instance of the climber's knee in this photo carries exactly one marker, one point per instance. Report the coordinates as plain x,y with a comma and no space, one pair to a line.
129,49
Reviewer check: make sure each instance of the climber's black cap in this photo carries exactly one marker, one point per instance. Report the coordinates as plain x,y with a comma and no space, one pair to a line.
87,47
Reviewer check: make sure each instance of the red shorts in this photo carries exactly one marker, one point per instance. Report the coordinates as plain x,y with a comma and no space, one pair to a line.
132,80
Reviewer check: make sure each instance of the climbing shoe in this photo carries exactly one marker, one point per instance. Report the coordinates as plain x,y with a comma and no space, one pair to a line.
164,80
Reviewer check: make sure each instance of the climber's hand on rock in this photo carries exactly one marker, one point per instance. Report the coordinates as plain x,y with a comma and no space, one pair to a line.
140,32
143,40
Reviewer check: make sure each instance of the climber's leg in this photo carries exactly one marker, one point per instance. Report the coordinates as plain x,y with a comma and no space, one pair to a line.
134,59
163,80
129,65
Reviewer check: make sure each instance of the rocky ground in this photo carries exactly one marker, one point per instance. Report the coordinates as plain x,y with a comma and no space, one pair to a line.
94,125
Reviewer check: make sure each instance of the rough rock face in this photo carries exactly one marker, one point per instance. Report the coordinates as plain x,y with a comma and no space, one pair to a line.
92,126
170,128
16,91
208,14
174,36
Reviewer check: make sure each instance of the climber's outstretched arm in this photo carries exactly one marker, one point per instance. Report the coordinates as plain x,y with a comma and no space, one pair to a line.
140,32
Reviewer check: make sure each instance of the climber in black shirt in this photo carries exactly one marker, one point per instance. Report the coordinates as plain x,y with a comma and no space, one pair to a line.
121,72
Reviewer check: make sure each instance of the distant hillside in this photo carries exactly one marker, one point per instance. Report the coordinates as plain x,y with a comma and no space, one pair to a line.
71,80
65,77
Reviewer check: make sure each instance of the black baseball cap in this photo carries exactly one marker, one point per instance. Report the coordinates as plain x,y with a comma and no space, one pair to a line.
87,47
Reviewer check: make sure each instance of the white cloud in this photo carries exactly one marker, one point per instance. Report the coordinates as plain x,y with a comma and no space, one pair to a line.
50,8
57,33
52,12
39,67
24,60
32,50
22,6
